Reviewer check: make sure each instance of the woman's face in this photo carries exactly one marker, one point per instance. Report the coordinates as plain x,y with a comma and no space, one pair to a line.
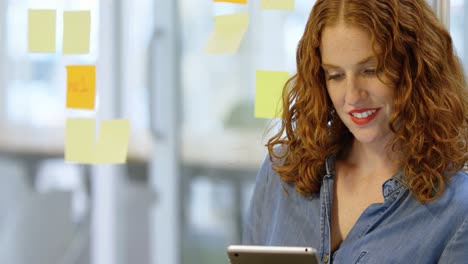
361,100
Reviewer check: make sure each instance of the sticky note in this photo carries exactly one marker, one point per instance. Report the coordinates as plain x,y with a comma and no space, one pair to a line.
76,32
228,33
268,93
112,144
41,30
79,140
81,86
277,4
232,1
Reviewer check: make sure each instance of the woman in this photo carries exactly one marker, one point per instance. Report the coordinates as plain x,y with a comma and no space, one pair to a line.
368,164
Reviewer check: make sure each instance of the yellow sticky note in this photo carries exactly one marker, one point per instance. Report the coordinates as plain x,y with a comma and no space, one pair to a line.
232,1
81,86
112,144
228,33
268,91
79,140
277,4
76,32
41,30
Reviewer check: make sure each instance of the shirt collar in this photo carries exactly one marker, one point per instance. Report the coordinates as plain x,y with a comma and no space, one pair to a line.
330,166
393,185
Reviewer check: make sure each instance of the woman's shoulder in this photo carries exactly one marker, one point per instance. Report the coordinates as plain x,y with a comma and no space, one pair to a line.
267,176
458,185
269,179
455,196
267,171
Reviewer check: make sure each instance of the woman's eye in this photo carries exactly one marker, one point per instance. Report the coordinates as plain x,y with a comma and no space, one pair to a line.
370,71
334,76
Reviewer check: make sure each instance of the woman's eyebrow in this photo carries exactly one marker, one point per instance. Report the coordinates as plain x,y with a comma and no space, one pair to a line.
361,62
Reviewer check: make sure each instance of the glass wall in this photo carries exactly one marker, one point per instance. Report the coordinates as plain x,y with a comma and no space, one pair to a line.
458,29
45,216
35,91
220,142
223,143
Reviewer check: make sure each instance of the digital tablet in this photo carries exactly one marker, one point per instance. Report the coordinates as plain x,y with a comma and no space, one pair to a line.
242,254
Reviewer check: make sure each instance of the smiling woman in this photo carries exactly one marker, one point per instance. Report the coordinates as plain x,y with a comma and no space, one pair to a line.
362,101
373,140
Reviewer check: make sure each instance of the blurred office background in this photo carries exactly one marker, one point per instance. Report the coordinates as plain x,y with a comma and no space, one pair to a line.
195,146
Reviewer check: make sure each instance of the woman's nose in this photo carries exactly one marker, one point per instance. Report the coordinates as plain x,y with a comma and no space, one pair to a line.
354,91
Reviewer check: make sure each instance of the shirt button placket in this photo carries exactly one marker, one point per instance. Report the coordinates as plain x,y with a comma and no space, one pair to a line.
326,258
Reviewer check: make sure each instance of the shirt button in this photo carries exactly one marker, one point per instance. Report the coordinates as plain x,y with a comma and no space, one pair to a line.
326,258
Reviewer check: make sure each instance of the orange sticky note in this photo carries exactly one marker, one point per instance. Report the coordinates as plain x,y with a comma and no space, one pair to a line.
81,86
76,32
112,144
232,1
268,90
79,140
41,30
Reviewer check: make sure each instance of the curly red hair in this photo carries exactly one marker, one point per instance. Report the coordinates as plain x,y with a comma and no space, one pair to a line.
430,118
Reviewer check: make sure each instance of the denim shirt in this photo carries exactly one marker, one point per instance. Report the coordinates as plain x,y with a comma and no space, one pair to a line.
399,230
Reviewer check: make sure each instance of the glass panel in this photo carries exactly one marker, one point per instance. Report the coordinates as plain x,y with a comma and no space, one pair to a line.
44,188
432,3
222,141
35,94
137,22
209,220
458,25
36,82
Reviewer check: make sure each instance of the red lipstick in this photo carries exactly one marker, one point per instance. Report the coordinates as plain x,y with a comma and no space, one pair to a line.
363,116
